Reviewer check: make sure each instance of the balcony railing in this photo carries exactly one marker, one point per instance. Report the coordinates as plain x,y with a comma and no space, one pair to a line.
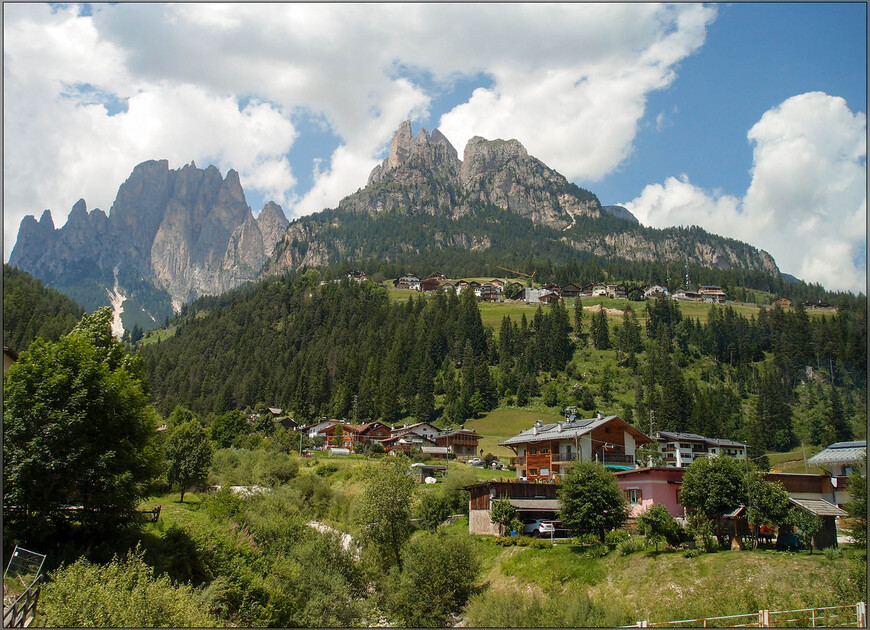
517,461
565,457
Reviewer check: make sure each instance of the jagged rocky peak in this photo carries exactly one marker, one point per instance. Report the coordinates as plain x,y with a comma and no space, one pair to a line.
485,156
434,152
272,223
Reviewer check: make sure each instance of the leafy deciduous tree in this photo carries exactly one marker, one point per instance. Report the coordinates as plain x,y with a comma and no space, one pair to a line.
591,500
188,455
77,427
383,511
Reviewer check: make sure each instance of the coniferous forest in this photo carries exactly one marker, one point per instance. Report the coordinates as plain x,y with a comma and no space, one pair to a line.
344,350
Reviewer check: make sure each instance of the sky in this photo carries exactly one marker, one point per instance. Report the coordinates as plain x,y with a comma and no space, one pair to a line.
746,119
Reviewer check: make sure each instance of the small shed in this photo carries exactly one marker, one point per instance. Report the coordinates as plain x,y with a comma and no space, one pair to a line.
422,471
828,512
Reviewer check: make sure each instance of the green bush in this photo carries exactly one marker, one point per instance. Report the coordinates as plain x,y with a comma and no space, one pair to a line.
324,470
540,543
832,553
616,536
123,593
222,504
690,553
598,551
437,577
586,539
630,546
274,469
506,541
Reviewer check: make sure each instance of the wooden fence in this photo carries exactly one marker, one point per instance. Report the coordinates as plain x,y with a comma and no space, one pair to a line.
822,617
22,611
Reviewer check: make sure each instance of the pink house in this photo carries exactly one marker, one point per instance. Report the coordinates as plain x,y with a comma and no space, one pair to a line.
644,487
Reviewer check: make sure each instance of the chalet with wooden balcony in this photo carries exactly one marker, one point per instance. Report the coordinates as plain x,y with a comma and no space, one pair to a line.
350,435
462,442
546,451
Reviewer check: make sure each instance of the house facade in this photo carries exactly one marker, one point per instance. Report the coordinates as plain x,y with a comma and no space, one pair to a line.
616,291
681,449
712,293
546,451
407,281
462,442
531,500
644,487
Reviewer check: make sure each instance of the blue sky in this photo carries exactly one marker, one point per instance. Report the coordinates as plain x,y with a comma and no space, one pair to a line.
746,119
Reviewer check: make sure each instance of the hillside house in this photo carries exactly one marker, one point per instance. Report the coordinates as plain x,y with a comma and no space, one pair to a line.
681,449
497,283
654,291
571,290
488,292
407,443
553,288
409,437
549,298
689,296
437,276
546,451
533,296
462,442
407,282
598,290
317,429
782,303
712,294
356,275
644,487
353,434
616,291
531,500
841,458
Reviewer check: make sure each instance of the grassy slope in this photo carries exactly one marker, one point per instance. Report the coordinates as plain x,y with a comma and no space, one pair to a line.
669,586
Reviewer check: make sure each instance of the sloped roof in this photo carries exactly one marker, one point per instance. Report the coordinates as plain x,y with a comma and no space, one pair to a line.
819,507
535,504
569,429
840,452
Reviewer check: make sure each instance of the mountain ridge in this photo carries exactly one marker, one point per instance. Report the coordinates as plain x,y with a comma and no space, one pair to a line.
173,235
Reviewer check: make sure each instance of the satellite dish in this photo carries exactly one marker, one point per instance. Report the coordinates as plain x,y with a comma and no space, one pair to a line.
430,480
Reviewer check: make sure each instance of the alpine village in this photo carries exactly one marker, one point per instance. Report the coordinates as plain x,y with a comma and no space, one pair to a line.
470,395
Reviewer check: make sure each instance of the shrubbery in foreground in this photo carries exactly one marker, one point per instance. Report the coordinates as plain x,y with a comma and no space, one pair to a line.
121,594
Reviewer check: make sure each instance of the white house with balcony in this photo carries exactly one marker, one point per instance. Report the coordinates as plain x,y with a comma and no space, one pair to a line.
681,449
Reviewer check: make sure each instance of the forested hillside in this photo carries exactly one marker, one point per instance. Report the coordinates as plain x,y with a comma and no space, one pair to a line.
344,349
31,310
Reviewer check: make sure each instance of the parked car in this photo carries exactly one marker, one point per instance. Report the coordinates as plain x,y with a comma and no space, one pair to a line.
475,461
532,526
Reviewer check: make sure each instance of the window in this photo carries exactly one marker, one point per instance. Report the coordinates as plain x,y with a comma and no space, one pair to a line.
533,451
634,495
533,472
545,472
545,450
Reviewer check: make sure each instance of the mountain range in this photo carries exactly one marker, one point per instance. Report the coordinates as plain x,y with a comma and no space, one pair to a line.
174,235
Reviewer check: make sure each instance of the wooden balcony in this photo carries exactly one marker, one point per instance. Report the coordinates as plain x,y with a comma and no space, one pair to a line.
517,461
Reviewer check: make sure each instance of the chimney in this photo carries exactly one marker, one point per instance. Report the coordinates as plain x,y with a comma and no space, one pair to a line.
559,426
600,415
538,423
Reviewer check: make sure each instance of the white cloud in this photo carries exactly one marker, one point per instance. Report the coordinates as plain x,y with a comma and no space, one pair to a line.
807,202
218,83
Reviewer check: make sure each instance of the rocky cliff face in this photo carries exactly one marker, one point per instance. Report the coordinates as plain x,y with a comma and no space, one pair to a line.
423,181
180,233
